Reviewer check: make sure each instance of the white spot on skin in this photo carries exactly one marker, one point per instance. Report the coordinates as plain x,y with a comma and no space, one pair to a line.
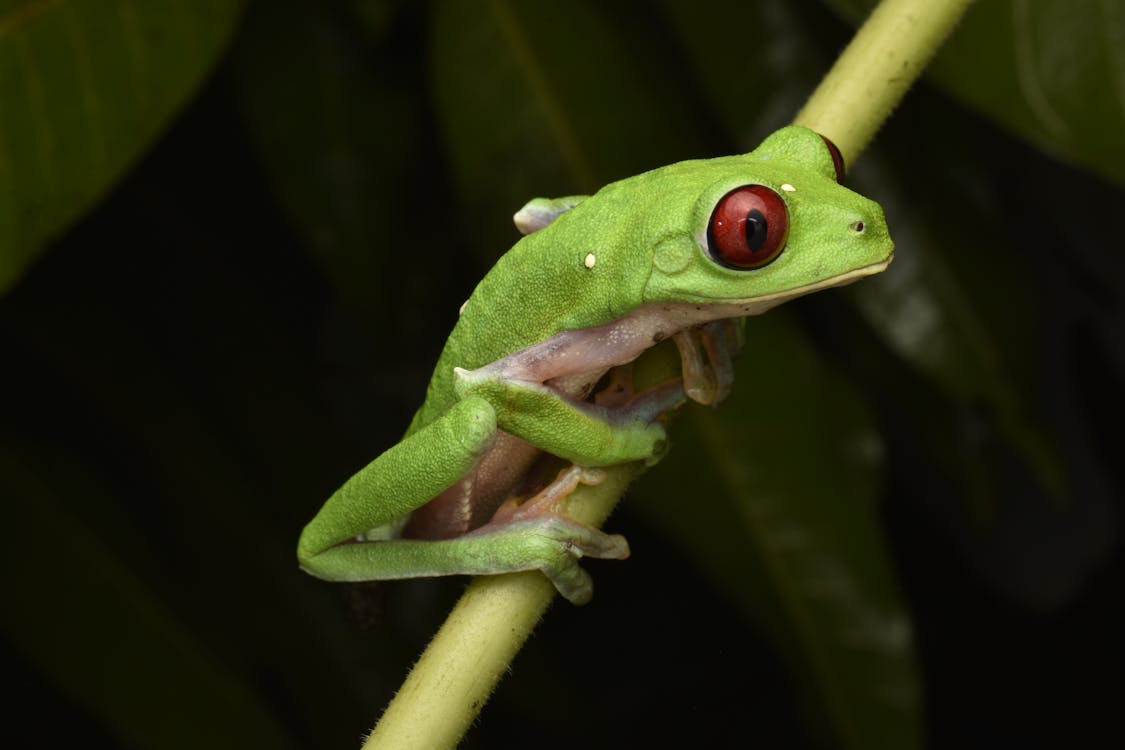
590,260
461,309
788,188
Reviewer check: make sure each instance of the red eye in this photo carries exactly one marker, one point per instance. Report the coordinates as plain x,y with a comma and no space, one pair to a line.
837,159
748,227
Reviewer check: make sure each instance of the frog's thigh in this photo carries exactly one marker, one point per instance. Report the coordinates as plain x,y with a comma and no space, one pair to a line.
403,478
586,434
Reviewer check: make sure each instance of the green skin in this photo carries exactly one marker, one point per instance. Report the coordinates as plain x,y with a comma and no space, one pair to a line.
595,283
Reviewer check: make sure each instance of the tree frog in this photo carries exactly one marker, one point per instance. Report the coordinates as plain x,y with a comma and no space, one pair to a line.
535,374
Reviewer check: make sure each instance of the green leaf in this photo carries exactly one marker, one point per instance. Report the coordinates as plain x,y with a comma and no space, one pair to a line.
1051,71
787,476
86,88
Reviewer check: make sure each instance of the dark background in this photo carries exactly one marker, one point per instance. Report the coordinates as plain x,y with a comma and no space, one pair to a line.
188,373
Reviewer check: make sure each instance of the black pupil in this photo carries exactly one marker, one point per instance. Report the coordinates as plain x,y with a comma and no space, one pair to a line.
756,229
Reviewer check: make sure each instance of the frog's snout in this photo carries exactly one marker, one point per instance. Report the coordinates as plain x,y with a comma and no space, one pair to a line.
869,230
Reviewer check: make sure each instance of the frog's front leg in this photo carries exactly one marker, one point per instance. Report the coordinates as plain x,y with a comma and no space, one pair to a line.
706,358
587,434
540,392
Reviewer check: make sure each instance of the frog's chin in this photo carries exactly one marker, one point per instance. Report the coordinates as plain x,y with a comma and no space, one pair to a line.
840,280
737,308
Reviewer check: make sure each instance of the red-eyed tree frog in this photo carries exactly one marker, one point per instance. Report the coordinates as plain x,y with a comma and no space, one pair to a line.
535,374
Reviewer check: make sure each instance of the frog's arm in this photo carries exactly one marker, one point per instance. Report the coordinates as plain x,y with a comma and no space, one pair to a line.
540,212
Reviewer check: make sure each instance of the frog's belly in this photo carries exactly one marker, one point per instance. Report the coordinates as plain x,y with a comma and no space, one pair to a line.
472,501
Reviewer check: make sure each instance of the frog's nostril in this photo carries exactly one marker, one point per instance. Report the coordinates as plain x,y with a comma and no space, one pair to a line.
858,227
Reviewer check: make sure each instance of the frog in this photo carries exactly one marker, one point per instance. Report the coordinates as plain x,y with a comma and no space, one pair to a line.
533,394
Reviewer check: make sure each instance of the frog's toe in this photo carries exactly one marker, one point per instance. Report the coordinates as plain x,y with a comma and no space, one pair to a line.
568,542
580,540
572,582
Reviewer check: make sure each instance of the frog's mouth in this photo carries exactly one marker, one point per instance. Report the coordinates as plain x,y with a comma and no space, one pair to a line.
736,308
763,303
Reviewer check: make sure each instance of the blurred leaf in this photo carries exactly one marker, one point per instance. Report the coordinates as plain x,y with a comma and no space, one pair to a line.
338,126
1051,71
964,305
554,118
787,476
962,317
108,641
85,92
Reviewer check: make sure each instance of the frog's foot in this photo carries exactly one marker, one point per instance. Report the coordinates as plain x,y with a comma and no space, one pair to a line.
552,498
554,541
563,542
706,354
650,407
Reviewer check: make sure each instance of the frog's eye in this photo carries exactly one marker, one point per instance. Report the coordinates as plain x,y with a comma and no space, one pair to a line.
748,227
837,159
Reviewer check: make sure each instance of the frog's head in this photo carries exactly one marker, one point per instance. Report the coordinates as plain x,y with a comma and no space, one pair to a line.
769,226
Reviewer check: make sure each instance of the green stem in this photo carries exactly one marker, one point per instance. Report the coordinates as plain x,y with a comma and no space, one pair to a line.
458,671
874,72
486,629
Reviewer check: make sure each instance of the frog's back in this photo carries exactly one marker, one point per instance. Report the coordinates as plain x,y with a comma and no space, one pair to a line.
587,268
567,276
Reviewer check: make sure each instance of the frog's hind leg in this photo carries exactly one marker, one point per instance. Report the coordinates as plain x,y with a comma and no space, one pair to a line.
550,499
535,538
547,509
548,542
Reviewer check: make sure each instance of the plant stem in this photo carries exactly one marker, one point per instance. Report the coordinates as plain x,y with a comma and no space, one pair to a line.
461,666
459,669
874,72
